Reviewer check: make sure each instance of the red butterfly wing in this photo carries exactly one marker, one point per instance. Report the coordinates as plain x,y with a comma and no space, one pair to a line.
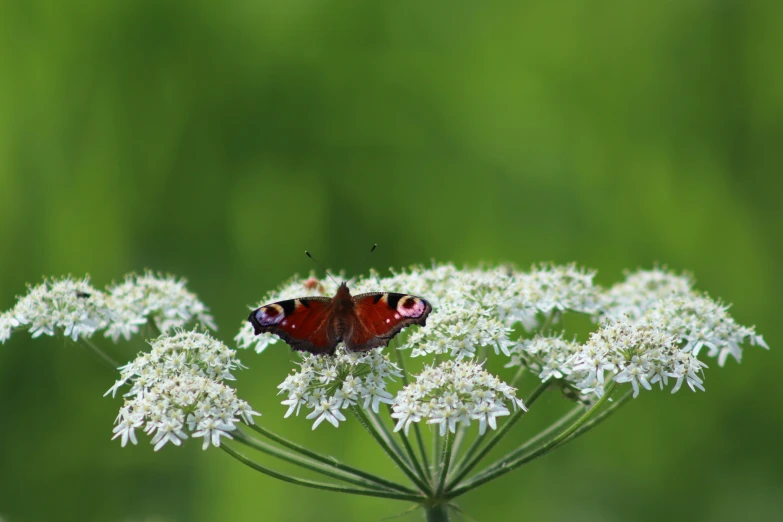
303,323
380,316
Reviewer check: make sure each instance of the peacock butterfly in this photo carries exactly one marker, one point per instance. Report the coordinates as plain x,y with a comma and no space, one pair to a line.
318,324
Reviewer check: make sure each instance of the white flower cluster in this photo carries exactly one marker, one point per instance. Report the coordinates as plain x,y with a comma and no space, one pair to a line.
654,326
699,322
177,388
326,385
456,392
79,310
547,356
7,323
472,308
479,308
558,288
165,300
638,353
69,304
642,290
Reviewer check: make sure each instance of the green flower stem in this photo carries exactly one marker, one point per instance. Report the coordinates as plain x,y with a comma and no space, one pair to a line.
548,322
306,463
437,513
368,425
416,430
517,376
467,464
566,419
505,467
313,484
411,453
330,461
592,423
388,436
563,421
435,452
444,465
100,353
459,439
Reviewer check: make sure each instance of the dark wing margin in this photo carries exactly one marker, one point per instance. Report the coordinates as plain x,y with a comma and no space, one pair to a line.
302,323
382,315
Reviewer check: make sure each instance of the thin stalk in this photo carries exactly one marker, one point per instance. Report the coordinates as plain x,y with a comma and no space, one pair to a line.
331,461
416,430
555,427
444,466
548,322
542,450
563,421
305,462
587,426
467,464
384,431
411,453
368,425
100,353
459,439
517,376
313,484
435,451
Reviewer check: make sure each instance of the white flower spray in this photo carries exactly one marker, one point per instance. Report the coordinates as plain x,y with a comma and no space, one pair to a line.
652,330
177,388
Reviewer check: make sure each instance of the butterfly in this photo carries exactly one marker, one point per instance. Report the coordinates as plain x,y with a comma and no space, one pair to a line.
318,324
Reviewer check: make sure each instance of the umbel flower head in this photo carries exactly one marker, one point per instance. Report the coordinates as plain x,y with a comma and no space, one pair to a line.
162,299
71,305
652,328
178,388
455,392
472,308
78,310
327,385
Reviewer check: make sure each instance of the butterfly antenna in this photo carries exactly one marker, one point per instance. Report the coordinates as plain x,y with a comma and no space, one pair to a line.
321,267
367,256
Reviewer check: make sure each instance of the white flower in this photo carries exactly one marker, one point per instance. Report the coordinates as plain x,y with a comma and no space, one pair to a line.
178,388
641,354
211,429
80,310
327,384
472,308
327,409
72,305
454,393
558,288
643,290
7,323
699,322
547,356
165,300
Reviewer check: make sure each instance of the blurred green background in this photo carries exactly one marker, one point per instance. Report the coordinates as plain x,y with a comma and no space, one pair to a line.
217,141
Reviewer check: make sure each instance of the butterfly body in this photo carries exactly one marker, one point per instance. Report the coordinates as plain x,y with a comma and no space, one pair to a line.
318,324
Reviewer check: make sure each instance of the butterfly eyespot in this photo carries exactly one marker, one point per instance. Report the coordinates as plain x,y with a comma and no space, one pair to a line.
410,306
271,314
